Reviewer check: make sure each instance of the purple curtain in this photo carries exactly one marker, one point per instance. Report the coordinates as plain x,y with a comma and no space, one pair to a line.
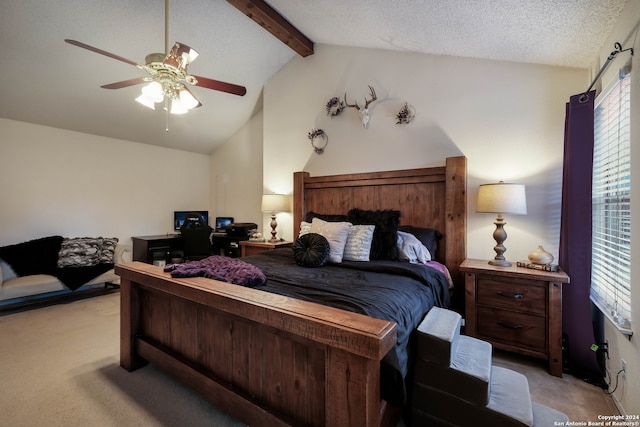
575,240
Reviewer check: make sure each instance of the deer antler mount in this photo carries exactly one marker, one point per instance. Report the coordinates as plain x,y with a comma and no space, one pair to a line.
363,111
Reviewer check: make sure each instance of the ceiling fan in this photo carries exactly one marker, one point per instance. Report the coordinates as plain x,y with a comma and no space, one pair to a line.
167,76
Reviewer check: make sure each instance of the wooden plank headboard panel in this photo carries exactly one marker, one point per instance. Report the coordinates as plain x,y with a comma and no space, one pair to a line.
429,197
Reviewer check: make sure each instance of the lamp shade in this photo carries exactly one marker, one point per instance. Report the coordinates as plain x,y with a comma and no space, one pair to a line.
275,203
502,198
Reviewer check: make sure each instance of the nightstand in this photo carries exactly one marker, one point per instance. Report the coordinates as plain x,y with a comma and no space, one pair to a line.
515,309
253,248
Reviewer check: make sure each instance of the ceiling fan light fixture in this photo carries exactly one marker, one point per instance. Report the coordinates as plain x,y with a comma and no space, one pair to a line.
142,99
151,94
177,107
167,76
153,91
187,99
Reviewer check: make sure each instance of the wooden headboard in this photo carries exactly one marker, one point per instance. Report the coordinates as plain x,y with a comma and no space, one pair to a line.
430,197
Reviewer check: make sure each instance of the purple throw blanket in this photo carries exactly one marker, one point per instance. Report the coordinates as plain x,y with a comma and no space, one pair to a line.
221,268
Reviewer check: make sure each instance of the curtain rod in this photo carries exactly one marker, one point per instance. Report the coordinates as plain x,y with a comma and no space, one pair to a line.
585,96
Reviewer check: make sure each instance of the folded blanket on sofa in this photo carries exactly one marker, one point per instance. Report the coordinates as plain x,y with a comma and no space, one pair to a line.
41,256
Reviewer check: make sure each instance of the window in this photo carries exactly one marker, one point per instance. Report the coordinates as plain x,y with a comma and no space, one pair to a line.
611,204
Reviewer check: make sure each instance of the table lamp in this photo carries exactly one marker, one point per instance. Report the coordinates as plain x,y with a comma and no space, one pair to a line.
501,198
274,203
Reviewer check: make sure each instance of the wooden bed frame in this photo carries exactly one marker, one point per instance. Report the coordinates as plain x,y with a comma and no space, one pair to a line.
271,360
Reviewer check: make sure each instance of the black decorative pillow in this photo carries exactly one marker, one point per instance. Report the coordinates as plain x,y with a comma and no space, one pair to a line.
311,250
325,217
428,236
385,235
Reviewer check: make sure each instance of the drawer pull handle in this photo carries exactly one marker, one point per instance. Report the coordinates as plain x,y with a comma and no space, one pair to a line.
507,295
510,326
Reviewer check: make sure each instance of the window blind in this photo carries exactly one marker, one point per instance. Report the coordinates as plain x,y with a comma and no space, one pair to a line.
611,204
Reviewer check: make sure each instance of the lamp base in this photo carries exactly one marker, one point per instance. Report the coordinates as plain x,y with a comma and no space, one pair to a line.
500,236
273,224
500,263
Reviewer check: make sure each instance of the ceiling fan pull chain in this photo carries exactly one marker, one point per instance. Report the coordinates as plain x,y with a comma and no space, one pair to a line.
166,113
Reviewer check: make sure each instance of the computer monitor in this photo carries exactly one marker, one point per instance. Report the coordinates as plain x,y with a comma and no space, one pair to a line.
180,216
223,221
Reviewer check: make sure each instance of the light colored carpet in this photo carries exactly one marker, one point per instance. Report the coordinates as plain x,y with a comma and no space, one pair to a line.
59,366
580,401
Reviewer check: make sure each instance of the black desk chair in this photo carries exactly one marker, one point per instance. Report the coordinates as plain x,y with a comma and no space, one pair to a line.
196,236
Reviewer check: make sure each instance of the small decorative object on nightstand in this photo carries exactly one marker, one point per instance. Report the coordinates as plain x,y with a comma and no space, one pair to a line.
516,309
540,256
252,248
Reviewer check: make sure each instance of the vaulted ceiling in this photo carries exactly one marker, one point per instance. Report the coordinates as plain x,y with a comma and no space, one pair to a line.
49,82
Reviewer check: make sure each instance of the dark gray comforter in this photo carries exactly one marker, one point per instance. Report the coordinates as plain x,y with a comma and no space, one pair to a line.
390,290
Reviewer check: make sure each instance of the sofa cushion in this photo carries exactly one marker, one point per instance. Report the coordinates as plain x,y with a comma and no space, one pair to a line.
30,285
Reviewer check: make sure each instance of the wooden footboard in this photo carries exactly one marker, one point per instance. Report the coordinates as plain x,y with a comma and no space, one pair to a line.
263,358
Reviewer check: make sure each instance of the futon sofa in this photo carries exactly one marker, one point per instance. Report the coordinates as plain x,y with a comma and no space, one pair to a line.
55,265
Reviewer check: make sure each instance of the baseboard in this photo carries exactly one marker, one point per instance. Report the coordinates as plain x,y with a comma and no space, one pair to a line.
16,305
618,405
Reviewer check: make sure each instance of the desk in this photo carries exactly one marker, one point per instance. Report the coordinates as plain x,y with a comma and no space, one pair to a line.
165,247
227,245
158,248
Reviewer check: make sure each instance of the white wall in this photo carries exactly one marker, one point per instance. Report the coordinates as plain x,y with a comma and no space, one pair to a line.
57,182
620,347
236,175
506,118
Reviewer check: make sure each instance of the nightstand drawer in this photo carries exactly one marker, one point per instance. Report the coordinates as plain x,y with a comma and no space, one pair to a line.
530,296
512,328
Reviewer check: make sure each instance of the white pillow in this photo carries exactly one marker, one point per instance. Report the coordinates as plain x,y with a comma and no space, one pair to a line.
336,233
412,249
305,227
358,244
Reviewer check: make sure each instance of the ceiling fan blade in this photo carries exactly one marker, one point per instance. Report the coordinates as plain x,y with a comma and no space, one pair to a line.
221,86
101,52
126,83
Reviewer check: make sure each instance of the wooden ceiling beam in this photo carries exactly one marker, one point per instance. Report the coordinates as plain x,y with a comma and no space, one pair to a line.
268,18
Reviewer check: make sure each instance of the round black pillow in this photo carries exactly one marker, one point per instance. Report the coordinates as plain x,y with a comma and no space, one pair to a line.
311,250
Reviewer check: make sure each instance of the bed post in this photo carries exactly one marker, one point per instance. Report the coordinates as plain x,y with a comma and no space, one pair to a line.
456,224
298,201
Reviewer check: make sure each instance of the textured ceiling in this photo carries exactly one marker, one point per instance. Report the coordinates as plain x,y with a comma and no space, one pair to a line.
49,82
